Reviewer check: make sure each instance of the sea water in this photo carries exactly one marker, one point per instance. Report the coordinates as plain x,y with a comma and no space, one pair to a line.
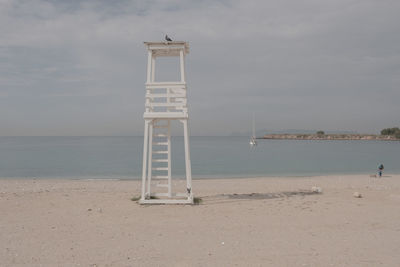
211,157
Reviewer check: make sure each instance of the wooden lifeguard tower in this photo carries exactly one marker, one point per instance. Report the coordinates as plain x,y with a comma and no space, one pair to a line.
165,102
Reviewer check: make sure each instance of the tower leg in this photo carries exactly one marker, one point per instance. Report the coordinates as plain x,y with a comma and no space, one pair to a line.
145,147
149,168
169,160
187,161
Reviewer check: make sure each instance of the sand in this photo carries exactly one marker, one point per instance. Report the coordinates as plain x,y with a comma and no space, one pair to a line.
241,222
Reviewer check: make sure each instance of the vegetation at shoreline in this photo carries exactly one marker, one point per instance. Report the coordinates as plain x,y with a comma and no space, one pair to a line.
388,134
391,132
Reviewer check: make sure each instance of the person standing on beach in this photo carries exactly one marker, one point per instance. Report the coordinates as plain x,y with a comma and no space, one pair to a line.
380,168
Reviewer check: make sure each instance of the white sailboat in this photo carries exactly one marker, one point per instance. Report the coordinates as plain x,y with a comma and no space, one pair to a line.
253,141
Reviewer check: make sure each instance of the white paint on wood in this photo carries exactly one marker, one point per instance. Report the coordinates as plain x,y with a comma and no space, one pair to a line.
169,160
164,101
187,160
182,65
145,146
150,148
153,69
149,65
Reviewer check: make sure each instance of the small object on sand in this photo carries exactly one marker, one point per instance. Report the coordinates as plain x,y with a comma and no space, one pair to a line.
357,195
316,189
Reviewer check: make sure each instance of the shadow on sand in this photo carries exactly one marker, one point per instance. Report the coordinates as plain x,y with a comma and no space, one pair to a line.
272,195
223,198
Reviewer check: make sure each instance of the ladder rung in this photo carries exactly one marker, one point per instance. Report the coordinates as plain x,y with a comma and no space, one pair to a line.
160,143
179,100
160,176
160,104
162,185
160,152
160,169
165,95
160,160
160,135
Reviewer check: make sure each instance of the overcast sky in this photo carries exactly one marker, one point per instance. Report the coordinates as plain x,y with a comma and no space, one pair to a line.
78,67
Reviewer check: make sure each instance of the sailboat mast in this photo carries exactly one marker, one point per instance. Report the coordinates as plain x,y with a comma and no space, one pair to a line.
254,126
253,141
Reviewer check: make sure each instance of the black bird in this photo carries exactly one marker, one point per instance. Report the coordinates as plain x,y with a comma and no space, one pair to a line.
167,38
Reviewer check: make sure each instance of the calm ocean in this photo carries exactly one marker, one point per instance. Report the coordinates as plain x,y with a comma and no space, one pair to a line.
121,157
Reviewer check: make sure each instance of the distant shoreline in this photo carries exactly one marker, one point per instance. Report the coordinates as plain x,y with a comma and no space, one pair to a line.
330,137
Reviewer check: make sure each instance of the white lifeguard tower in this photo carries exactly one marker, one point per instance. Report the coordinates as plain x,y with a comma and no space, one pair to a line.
165,102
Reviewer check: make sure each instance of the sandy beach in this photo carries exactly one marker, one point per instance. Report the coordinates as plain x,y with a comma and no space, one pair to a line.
273,221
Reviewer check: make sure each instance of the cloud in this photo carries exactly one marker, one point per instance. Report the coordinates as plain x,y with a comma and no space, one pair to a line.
287,61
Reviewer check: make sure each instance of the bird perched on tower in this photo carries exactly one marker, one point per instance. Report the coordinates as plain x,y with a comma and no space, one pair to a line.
168,39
